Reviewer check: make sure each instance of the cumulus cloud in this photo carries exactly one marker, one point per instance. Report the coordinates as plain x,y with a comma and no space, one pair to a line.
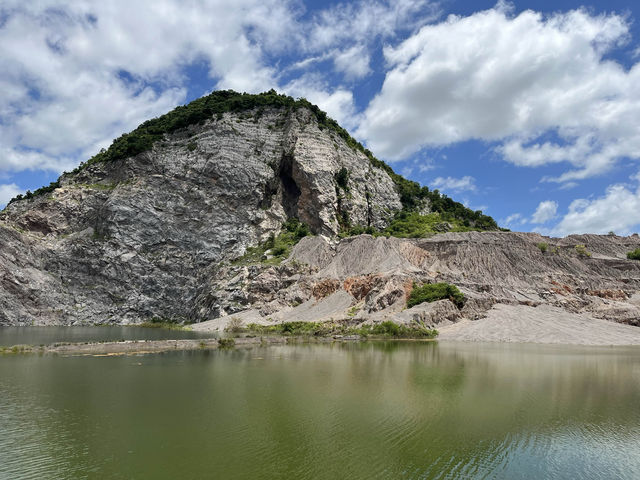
7,192
338,102
365,21
353,62
451,184
514,219
618,210
539,85
75,76
546,211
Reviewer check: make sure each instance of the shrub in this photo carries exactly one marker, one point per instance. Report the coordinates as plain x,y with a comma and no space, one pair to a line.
191,146
342,178
634,254
431,292
234,325
280,246
582,251
226,343
386,328
543,246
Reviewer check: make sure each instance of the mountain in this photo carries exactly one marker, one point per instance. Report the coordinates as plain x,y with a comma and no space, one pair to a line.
261,207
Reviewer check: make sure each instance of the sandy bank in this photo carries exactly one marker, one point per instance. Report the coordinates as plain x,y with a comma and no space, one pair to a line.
542,324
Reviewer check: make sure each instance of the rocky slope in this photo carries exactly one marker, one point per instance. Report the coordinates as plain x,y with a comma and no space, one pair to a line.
365,279
164,232
136,238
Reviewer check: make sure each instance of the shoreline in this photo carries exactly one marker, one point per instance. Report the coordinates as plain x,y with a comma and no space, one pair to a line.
140,347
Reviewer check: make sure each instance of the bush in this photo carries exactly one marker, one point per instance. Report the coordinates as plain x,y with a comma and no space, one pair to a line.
280,246
386,328
543,246
323,329
431,292
226,343
342,178
234,325
582,251
634,254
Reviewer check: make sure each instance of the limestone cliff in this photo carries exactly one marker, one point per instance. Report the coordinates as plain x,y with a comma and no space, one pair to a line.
127,240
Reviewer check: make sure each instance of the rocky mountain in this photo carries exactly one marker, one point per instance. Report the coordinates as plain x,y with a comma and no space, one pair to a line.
262,208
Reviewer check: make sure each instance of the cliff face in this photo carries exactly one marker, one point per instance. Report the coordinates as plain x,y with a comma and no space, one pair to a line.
136,238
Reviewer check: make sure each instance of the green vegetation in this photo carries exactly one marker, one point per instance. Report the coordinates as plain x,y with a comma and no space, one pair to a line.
582,251
410,224
167,323
324,329
15,349
226,342
342,178
279,247
430,292
40,191
413,225
191,146
543,246
634,254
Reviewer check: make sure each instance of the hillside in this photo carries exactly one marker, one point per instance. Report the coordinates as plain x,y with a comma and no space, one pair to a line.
261,208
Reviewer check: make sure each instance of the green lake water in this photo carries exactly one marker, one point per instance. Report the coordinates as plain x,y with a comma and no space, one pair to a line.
47,335
344,411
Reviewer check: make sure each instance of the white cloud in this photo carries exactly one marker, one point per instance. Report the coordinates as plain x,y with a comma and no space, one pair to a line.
7,192
618,210
75,76
538,85
338,103
353,62
514,220
365,21
466,183
546,211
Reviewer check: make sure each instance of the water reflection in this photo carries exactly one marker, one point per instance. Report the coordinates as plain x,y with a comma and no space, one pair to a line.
371,410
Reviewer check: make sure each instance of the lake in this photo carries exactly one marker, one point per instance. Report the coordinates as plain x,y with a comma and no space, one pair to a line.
385,410
10,336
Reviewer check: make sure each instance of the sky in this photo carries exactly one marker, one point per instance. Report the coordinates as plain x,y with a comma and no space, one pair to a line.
526,110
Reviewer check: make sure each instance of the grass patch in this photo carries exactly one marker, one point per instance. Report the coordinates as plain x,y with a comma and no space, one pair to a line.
15,349
407,224
324,329
634,254
543,247
279,247
582,251
431,292
166,323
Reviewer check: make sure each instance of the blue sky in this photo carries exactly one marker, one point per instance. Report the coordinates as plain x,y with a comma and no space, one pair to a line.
527,110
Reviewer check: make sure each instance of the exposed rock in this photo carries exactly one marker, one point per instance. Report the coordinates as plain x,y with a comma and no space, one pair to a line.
147,236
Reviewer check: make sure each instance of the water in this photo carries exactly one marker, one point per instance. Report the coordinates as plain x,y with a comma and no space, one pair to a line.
47,335
357,411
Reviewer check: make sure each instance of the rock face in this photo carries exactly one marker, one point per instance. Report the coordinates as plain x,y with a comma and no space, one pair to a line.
154,235
138,238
